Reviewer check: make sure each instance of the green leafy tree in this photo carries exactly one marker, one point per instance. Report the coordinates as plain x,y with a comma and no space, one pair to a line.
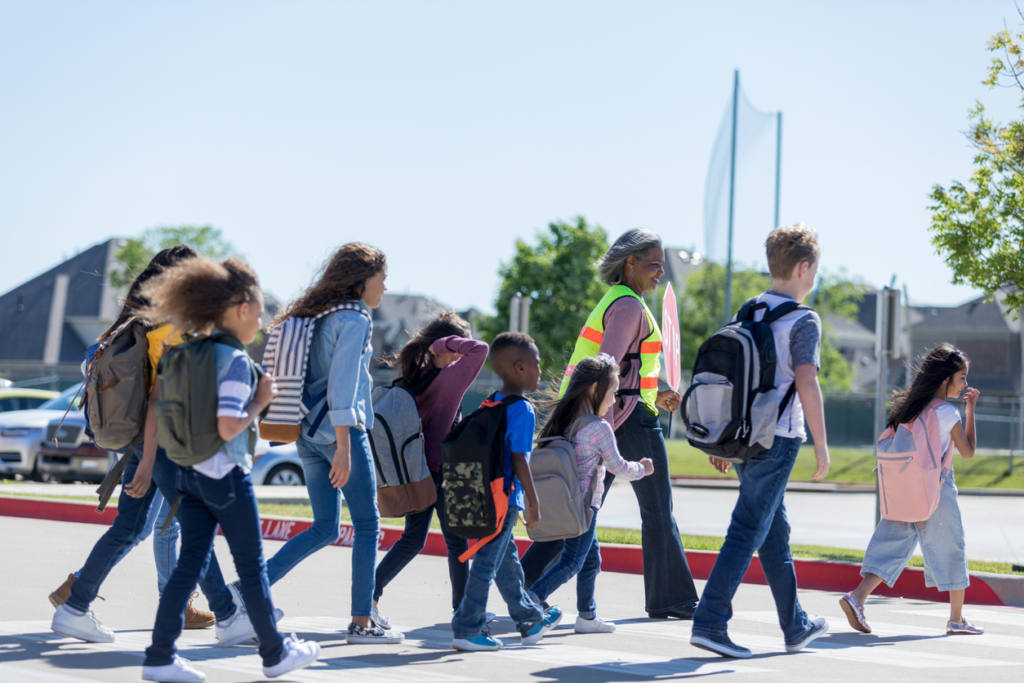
136,252
703,299
978,226
558,274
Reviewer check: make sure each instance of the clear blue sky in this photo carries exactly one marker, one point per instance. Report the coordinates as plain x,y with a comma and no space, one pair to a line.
442,131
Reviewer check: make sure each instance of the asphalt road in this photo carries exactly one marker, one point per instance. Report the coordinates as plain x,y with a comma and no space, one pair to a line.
909,643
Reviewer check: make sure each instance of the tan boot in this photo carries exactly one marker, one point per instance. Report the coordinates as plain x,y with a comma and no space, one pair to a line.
61,595
197,618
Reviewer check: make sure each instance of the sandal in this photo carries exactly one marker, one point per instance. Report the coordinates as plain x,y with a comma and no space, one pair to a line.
964,628
854,613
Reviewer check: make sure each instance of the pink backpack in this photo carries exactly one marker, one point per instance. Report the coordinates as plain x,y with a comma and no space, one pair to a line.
910,467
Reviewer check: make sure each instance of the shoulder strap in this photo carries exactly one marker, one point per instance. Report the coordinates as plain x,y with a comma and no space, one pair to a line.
785,308
227,339
747,310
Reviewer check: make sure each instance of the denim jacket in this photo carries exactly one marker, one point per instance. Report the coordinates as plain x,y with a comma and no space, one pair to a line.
338,384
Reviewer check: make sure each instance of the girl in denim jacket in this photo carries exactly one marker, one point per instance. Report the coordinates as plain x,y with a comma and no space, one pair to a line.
199,296
333,444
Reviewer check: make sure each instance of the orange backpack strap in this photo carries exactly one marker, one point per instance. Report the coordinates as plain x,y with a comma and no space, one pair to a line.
501,511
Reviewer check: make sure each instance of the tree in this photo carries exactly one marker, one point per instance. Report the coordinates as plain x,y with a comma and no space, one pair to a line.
703,299
137,251
979,226
558,274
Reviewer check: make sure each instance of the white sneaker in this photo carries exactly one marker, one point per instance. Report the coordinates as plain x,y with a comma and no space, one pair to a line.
297,654
235,630
236,597
595,625
68,621
178,671
379,619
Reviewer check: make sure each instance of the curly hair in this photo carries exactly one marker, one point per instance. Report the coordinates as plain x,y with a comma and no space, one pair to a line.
788,247
194,294
133,300
342,278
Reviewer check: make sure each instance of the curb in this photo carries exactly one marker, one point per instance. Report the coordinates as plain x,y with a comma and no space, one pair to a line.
985,588
689,482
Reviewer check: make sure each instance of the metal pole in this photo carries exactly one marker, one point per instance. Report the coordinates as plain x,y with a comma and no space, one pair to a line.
514,308
881,354
778,165
732,193
524,315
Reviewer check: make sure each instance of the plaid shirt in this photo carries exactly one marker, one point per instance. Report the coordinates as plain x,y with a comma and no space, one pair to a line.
597,452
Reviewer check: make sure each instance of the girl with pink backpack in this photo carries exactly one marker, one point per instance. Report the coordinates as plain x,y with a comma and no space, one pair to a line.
917,492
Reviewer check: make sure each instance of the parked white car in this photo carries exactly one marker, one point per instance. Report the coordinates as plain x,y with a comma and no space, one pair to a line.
22,432
278,466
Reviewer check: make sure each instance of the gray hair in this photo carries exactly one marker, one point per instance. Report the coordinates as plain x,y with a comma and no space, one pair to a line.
630,243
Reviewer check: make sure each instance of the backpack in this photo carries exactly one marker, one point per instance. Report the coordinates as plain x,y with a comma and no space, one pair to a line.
910,467
404,483
732,407
567,512
286,358
474,485
186,409
117,387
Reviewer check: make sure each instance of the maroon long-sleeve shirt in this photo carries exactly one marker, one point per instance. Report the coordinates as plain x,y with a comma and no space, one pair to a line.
625,326
439,402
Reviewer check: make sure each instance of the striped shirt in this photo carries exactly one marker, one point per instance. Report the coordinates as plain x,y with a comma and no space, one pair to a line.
233,395
596,453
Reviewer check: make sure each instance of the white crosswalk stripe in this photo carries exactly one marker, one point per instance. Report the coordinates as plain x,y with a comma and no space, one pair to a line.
982,616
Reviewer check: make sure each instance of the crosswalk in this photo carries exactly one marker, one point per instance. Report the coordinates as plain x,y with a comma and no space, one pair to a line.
907,639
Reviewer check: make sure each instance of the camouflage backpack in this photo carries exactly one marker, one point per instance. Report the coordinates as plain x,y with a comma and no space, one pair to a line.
475,487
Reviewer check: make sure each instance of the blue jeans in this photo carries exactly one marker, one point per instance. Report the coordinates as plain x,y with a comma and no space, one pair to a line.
417,526
165,543
758,523
128,527
581,557
205,503
668,583
361,496
498,561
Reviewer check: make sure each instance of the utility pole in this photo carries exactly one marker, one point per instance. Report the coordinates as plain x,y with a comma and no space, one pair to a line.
778,165
732,193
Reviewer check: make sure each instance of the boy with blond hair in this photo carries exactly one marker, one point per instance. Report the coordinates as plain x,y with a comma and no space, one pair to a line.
759,518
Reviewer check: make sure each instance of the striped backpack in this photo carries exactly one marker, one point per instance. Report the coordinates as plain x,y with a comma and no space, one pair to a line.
286,359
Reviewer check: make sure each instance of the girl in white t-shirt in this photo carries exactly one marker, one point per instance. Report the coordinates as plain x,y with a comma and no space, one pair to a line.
941,375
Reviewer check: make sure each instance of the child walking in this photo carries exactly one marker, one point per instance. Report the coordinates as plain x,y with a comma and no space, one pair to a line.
590,394
333,444
201,296
759,521
516,360
438,365
941,377
138,509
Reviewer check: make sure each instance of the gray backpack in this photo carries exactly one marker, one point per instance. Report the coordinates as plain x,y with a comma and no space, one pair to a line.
116,387
404,484
565,510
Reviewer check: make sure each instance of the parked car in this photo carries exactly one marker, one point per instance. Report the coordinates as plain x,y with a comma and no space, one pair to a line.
68,454
277,466
23,399
22,432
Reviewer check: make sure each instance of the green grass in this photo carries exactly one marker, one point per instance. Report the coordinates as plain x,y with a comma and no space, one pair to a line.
856,466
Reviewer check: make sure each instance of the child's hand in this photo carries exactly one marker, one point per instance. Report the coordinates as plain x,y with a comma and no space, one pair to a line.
719,464
531,516
648,466
821,453
971,398
266,391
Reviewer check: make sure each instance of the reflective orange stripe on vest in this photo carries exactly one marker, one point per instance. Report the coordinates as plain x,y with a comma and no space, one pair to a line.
650,347
590,334
648,383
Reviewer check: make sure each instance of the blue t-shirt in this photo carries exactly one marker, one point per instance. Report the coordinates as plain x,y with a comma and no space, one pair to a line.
521,422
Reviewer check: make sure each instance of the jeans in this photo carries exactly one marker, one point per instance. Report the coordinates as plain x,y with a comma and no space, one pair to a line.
205,503
417,525
758,523
581,557
165,543
128,527
361,496
498,561
668,583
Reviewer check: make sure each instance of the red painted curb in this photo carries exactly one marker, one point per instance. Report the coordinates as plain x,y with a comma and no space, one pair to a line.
615,557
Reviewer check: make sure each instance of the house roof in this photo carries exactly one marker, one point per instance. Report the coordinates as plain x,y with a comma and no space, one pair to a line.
975,316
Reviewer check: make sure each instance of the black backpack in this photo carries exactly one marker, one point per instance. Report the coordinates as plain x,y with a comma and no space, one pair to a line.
732,407
474,469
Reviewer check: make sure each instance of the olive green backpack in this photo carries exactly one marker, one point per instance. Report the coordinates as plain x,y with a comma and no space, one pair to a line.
186,409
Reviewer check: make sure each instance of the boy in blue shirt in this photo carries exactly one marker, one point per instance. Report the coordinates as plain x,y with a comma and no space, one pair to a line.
516,360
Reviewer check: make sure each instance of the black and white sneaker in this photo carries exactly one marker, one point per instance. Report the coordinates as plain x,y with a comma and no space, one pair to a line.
819,627
372,635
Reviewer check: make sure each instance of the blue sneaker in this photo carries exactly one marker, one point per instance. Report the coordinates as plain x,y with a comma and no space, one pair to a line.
478,643
533,634
719,644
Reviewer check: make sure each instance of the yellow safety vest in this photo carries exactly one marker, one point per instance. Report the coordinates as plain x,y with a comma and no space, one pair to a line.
589,344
